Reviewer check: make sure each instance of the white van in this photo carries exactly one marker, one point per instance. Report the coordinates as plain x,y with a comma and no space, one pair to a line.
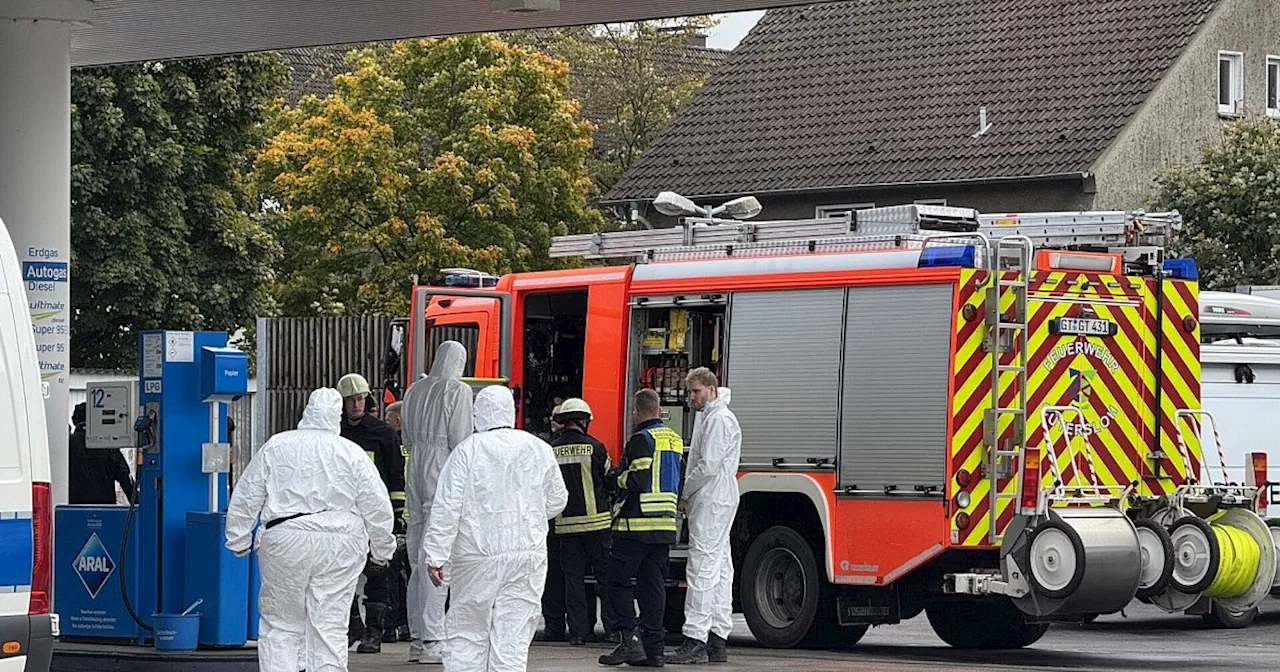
1240,379
27,624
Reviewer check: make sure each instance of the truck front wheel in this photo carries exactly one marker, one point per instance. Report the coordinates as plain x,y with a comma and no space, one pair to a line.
983,624
783,595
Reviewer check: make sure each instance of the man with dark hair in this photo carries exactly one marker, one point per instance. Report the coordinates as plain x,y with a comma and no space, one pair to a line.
94,472
643,532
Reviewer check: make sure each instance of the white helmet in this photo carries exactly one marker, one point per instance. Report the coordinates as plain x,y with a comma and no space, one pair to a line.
572,406
353,384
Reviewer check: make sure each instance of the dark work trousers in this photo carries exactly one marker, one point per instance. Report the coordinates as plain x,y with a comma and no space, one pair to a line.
553,607
398,580
647,564
377,589
580,553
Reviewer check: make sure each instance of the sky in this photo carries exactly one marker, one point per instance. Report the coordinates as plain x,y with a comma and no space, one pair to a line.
732,28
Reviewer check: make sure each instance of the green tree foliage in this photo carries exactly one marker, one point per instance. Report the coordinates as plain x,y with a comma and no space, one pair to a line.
160,235
463,151
1230,202
631,79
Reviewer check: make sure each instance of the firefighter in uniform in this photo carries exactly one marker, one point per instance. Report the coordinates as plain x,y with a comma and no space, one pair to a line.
583,528
643,531
379,441
397,625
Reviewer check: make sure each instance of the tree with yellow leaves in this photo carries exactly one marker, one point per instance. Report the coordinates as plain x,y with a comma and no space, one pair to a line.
433,153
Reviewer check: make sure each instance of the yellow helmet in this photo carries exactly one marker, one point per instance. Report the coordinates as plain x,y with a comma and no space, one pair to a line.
352,384
573,406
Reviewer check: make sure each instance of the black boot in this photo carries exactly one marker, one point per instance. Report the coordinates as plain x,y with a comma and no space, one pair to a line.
373,615
692,652
629,651
716,649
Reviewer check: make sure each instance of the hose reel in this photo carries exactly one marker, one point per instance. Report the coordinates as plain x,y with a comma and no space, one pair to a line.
1229,556
1076,561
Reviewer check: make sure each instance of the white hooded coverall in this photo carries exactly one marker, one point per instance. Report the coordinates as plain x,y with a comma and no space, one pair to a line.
436,416
711,502
310,564
489,522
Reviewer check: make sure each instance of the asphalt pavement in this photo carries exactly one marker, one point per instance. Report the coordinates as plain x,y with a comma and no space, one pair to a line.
1144,638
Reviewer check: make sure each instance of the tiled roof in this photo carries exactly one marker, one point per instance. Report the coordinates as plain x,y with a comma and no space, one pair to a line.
878,92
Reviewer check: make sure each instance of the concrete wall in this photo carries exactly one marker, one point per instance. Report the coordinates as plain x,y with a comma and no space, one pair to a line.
1181,115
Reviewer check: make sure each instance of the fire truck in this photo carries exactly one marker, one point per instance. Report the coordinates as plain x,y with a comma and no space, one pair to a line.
991,419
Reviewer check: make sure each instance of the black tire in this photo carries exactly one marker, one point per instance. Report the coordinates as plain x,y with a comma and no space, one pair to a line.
1145,594
1077,548
673,616
780,588
1215,555
1274,524
1223,618
983,624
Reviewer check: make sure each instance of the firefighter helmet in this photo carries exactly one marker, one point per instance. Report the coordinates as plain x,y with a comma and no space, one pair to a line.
572,407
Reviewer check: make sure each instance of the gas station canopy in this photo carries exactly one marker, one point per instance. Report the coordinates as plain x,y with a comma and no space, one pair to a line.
122,31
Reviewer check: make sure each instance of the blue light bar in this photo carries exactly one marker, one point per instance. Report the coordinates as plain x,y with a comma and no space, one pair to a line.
1182,269
938,256
468,280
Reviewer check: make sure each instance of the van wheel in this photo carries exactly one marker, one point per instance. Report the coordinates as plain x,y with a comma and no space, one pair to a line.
1223,618
983,624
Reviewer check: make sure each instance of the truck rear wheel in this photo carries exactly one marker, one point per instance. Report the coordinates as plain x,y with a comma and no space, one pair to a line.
983,624
1223,618
783,596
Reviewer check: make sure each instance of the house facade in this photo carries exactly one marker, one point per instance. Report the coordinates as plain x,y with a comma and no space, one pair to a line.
1004,105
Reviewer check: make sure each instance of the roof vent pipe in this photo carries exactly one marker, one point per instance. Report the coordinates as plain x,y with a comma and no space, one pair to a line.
983,126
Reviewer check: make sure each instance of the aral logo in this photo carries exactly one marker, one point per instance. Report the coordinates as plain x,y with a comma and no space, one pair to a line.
94,565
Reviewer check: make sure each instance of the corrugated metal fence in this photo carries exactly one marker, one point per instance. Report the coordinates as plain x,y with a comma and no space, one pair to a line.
299,354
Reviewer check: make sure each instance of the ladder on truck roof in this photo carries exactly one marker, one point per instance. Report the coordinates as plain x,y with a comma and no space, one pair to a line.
1142,236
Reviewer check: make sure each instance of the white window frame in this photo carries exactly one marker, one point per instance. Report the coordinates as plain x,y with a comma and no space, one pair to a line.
1236,85
940,202
1273,85
838,209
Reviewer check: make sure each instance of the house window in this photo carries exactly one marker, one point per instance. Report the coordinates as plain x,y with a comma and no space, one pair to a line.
932,201
1230,83
1273,86
840,210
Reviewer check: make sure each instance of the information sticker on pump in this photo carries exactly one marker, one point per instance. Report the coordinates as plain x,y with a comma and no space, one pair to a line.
1081,326
153,387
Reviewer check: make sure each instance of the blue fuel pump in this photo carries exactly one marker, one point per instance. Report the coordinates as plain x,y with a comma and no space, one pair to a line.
117,566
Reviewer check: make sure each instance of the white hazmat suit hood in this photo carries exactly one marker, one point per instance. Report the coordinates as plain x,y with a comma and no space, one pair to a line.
436,416
489,521
711,502
323,510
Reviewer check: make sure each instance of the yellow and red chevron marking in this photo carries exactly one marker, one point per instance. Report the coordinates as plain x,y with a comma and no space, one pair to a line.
1180,379
1110,378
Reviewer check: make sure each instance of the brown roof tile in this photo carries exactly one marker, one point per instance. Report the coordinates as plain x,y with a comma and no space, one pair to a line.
888,91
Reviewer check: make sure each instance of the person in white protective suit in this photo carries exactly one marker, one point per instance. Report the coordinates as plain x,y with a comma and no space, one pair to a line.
489,524
436,416
710,502
325,515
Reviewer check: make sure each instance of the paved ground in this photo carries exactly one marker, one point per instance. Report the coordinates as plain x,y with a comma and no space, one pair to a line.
1148,639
